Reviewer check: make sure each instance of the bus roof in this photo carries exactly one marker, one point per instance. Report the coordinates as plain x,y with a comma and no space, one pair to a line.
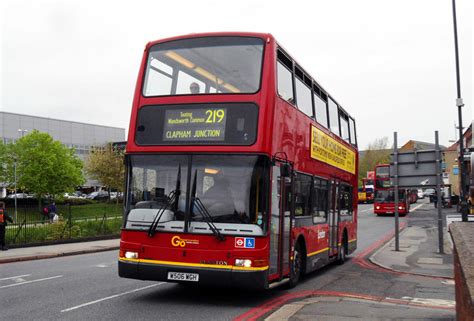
214,34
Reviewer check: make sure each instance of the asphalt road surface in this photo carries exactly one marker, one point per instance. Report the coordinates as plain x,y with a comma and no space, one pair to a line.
87,287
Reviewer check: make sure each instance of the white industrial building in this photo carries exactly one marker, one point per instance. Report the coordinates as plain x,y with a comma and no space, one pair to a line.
80,136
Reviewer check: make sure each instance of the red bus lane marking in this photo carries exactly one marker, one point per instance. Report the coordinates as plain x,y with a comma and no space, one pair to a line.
267,307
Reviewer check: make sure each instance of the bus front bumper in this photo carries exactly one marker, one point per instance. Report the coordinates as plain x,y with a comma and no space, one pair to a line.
207,276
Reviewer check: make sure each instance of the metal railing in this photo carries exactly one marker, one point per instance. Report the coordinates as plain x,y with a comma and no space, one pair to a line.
73,222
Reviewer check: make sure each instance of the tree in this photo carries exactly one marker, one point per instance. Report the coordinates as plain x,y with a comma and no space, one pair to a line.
3,162
7,161
44,166
377,152
105,164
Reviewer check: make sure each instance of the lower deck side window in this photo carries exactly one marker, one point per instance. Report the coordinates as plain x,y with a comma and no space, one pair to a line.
321,198
345,200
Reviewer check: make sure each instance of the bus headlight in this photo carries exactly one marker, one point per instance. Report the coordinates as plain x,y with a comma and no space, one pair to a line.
377,207
400,207
243,262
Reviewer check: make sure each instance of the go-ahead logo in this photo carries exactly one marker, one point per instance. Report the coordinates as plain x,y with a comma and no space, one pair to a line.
176,241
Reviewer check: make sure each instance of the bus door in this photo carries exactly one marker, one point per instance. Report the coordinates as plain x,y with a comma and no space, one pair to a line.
333,218
280,225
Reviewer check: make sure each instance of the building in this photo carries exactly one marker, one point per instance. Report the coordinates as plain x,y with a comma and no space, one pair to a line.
80,136
450,162
471,172
413,145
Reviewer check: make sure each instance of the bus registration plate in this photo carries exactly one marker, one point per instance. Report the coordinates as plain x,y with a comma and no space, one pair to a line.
179,276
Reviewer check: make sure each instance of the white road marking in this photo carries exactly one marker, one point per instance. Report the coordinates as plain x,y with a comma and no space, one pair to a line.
431,302
32,281
15,277
105,264
285,312
416,207
110,297
448,282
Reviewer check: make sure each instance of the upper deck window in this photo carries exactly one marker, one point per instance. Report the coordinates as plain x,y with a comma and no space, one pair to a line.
343,120
333,117
207,65
382,172
285,83
321,111
303,97
352,131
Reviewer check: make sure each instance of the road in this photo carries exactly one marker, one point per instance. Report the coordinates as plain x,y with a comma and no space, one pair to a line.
86,287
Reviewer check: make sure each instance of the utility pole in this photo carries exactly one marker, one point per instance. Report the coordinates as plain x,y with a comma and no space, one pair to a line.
460,104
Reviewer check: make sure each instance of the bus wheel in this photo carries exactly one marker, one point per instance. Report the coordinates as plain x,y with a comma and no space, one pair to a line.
342,252
296,266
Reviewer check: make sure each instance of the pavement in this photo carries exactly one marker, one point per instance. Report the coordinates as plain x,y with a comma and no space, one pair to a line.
418,255
50,251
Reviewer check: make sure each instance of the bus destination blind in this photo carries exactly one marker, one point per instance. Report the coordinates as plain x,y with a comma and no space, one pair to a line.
197,124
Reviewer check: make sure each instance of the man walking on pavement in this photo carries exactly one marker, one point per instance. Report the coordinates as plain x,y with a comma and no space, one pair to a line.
4,217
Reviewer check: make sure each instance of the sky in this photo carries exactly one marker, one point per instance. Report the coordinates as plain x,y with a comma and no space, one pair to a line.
389,63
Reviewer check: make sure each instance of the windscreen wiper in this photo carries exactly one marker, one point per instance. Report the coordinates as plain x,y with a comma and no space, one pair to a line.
173,198
196,202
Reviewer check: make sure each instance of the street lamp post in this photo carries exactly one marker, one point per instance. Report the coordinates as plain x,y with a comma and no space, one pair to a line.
14,173
22,131
459,104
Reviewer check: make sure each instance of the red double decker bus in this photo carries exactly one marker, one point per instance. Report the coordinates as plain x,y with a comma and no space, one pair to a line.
241,168
368,188
384,200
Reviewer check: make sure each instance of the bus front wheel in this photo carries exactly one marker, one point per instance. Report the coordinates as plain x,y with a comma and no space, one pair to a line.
296,265
342,252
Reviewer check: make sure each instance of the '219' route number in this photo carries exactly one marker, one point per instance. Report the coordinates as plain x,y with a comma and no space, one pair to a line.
215,115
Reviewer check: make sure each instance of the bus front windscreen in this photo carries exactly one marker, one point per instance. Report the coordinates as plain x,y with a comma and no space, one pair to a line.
231,188
388,196
204,65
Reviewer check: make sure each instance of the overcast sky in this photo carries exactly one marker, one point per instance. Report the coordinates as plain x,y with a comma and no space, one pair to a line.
390,63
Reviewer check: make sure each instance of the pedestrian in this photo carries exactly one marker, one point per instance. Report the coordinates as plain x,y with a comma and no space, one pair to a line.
45,213
4,218
52,211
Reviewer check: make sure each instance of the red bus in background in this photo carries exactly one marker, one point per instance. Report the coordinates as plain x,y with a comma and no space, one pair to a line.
241,168
384,200
368,188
